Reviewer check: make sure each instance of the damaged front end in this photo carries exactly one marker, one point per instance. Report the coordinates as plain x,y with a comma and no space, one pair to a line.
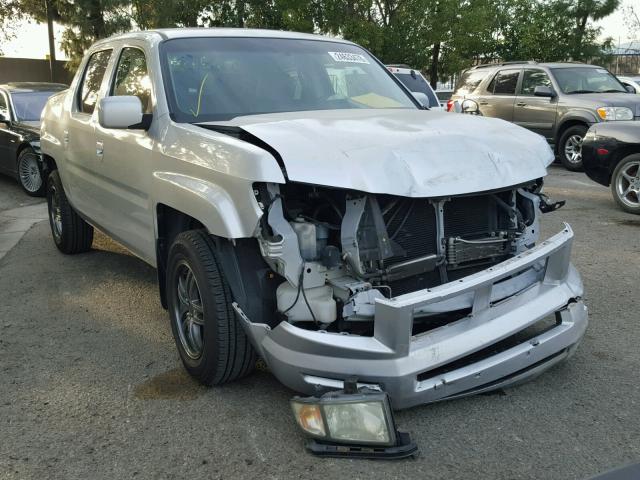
423,298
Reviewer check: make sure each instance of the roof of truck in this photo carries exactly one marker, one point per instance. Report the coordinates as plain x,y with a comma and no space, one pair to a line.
171,33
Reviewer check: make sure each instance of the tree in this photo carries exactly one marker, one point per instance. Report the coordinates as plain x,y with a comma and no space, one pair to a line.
583,11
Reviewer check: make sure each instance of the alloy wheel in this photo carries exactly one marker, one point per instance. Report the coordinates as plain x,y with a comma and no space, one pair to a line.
628,185
55,212
188,311
29,172
573,149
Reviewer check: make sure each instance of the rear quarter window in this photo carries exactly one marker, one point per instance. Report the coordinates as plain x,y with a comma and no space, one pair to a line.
469,81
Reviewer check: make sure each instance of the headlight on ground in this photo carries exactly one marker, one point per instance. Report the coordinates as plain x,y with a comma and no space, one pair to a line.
615,113
309,418
351,422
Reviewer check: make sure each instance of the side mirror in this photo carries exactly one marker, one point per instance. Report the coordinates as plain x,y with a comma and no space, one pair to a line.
470,107
543,91
629,89
421,98
120,112
4,119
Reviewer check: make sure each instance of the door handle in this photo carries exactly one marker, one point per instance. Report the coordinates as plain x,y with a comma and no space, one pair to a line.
521,104
484,102
65,137
100,149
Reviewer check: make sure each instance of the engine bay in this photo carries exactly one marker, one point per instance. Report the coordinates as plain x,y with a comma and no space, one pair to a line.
338,250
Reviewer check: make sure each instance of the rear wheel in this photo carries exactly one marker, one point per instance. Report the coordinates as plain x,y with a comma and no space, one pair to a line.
212,344
70,232
30,173
570,147
625,184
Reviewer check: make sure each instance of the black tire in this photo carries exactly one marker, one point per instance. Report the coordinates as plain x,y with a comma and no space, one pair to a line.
630,166
70,232
570,135
223,353
29,173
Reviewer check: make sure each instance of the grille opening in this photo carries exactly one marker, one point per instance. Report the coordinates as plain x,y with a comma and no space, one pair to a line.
431,322
532,331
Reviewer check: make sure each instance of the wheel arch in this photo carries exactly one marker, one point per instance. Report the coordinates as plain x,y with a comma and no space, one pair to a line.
620,155
49,163
565,125
169,224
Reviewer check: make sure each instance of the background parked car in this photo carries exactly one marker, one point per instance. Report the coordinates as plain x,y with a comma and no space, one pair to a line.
631,82
444,95
20,107
415,82
611,156
557,100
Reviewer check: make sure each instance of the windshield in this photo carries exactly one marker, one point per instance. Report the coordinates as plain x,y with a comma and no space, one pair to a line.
28,105
587,80
416,83
221,78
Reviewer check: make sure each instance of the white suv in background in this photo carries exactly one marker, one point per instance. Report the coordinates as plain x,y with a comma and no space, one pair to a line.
416,83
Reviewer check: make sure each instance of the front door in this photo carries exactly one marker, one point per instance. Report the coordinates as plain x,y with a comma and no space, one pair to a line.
125,162
535,113
6,161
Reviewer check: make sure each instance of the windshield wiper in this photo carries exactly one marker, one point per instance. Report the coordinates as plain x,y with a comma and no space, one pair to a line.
613,91
581,91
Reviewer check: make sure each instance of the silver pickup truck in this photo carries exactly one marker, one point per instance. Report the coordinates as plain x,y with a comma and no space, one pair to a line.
299,204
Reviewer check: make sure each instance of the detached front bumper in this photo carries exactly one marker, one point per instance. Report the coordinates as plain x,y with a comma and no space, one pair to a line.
490,348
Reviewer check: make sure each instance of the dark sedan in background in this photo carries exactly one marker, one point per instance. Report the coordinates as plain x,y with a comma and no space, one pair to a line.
611,157
20,108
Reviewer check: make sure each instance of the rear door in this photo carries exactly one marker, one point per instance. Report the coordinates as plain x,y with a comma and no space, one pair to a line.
535,113
499,97
80,175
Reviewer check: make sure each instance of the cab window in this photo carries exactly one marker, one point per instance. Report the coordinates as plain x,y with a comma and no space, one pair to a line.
132,77
90,87
532,79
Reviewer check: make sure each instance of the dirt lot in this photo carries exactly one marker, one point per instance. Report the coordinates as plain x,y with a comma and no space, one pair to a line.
91,385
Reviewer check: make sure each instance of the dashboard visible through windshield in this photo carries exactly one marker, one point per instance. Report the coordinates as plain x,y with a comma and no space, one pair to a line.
587,80
209,79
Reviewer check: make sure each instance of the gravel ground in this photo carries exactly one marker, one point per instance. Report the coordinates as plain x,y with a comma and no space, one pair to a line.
91,385
12,196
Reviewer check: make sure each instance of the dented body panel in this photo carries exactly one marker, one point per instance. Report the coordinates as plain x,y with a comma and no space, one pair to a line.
409,367
411,153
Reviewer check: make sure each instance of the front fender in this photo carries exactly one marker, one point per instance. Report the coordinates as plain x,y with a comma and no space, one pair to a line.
223,214
583,116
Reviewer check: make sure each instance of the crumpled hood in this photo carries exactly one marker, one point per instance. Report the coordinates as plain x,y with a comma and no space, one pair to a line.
413,153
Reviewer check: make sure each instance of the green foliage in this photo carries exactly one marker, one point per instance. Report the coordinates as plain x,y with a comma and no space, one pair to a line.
440,37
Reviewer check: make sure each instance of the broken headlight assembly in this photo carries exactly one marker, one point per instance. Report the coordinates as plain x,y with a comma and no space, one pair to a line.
354,422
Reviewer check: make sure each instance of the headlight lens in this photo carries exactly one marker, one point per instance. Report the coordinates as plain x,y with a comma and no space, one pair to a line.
309,418
615,113
357,422
363,418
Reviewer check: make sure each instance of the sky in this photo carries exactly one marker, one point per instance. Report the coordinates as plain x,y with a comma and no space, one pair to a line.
31,40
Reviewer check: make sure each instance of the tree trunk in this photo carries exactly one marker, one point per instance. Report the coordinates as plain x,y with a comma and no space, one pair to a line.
241,12
435,61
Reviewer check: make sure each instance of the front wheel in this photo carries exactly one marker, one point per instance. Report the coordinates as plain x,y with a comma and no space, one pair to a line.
625,184
30,173
212,344
570,147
